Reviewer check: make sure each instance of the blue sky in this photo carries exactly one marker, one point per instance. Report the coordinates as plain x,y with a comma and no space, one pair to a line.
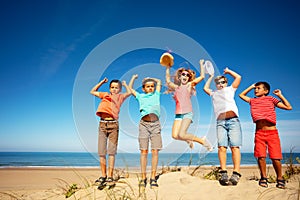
47,44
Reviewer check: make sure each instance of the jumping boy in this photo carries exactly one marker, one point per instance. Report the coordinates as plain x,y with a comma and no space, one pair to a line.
108,111
266,134
149,126
228,126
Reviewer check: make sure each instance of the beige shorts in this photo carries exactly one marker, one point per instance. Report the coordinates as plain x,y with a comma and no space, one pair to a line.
108,137
150,131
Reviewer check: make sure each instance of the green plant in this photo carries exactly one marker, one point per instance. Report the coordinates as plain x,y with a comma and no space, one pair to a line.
72,189
213,175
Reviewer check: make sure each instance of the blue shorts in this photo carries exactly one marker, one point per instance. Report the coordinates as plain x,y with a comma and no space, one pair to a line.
184,116
229,132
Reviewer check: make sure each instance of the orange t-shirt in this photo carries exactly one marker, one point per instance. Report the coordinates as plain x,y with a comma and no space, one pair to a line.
110,104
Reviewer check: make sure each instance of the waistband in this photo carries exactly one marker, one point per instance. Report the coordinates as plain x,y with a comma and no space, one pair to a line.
228,118
108,120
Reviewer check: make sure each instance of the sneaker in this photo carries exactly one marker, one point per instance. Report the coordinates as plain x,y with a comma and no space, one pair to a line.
110,181
153,183
207,144
235,177
101,180
223,179
143,182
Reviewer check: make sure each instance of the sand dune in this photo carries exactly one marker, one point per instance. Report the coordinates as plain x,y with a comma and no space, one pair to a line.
52,183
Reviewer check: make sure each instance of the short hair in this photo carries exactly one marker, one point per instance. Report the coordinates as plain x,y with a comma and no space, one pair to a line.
148,80
265,85
116,81
220,77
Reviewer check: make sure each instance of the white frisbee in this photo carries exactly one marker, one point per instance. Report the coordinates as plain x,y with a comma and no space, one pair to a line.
167,60
209,68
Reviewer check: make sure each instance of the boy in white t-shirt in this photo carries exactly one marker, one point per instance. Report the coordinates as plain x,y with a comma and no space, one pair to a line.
228,127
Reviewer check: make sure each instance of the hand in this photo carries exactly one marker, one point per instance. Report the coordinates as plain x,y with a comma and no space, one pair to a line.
226,70
201,62
277,92
105,80
124,83
135,76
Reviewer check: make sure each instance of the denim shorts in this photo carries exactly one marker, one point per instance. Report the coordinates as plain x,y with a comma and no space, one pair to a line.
229,132
184,116
150,132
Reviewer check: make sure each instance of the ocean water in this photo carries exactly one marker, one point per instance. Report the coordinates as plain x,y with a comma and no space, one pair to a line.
84,159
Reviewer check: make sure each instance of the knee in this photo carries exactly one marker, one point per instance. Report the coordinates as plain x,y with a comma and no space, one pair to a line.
222,149
176,137
144,152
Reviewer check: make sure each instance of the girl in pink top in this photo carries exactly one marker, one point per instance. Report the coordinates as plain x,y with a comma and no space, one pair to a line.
183,88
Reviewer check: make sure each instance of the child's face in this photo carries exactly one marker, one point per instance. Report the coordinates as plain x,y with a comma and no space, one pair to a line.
114,88
184,77
221,83
260,91
149,87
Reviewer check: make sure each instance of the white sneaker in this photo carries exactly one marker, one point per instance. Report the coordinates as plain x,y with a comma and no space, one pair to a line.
207,144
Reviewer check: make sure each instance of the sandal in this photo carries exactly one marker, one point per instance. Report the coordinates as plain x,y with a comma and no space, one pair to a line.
223,180
110,181
280,184
153,183
263,182
143,182
101,180
235,177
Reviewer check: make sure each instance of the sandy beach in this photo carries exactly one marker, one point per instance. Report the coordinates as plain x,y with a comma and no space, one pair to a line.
53,183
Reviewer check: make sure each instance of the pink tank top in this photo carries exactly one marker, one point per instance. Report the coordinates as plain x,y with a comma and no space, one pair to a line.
183,101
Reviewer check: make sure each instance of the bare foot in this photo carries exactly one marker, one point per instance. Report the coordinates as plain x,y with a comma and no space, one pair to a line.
207,144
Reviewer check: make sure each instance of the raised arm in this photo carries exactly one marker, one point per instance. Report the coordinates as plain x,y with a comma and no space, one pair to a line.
158,84
237,78
168,79
283,104
128,91
243,95
94,90
202,76
130,86
206,88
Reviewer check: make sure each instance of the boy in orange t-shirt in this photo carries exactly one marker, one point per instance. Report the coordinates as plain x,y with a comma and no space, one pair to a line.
108,111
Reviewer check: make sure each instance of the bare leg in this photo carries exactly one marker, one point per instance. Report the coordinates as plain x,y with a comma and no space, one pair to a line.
262,167
154,163
103,165
183,135
144,155
111,165
278,168
222,157
175,132
236,158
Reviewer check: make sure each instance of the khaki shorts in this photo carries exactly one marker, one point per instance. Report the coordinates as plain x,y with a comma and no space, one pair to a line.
108,137
150,131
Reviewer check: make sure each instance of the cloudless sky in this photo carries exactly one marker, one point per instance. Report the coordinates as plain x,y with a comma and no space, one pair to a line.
44,44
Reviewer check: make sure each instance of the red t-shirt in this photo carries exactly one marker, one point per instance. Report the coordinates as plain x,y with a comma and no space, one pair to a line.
263,108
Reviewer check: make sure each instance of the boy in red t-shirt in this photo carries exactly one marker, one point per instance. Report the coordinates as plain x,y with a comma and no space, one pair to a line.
108,111
266,135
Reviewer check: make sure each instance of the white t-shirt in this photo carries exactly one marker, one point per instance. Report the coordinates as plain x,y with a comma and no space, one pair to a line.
223,101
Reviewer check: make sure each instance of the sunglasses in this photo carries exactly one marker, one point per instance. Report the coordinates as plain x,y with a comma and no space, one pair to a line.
185,74
221,82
